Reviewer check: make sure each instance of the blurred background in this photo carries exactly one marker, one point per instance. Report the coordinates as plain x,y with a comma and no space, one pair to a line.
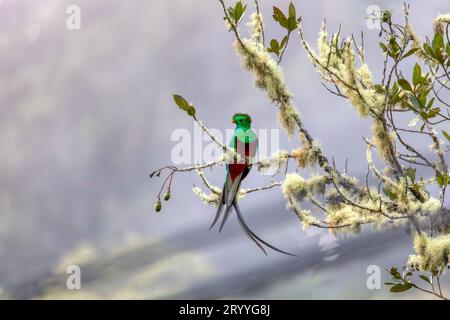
86,115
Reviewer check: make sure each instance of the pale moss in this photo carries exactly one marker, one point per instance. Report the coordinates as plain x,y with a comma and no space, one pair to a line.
348,189
400,189
353,217
347,67
440,22
373,98
323,45
345,216
433,252
415,262
316,185
365,74
345,181
342,216
287,117
210,199
307,218
264,164
416,43
296,187
432,206
269,77
339,68
382,139
256,25
278,159
213,198
307,154
408,203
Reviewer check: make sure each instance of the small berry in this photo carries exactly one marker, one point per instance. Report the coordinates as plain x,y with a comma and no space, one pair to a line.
167,196
158,206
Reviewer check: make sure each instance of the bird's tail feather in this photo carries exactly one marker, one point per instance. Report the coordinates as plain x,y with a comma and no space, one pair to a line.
254,237
222,201
226,214
230,199
244,227
219,208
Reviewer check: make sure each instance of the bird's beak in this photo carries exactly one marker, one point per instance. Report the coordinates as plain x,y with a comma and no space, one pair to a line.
232,121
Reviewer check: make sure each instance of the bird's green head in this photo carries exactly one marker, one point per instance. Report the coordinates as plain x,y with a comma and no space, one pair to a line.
242,120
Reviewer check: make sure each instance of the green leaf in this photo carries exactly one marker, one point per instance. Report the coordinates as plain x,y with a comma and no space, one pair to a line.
416,102
394,45
274,46
184,105
181,102
410,106
433,113
401,287
438,42
386,16
423,98
395,87
230,12
383,47
191,111
410,52
417,74
239,10
438,45
379,88
292,13
404,84
428,50
279,16
292,24
425,278
440,180
394,273
430,103
411,173
392,195
446,135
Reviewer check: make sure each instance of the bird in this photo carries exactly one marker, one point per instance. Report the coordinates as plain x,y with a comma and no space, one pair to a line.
245,142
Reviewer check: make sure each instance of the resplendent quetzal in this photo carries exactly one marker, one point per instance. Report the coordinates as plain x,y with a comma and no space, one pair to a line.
245,143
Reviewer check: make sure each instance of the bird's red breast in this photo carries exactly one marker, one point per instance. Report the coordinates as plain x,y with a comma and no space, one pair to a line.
245,150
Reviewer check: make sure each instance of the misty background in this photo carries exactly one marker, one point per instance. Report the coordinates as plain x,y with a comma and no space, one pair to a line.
86,115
